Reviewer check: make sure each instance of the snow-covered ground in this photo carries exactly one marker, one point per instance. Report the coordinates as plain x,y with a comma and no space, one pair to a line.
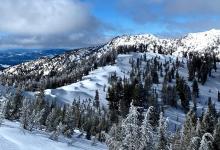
12,137
98,79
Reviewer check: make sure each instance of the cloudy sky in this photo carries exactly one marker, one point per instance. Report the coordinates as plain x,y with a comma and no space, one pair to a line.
80,23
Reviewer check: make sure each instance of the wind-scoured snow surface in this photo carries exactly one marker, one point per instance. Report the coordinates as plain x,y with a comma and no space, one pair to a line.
96,80
12,137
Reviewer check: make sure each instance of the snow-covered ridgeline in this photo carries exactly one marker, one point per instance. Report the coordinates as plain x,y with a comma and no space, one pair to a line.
200,42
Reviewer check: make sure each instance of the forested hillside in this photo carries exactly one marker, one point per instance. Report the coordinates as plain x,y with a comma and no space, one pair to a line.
133,93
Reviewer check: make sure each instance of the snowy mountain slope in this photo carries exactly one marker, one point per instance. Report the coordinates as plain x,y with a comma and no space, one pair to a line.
45,65
194,42
72,61
12,137
98,79
85,89
201,42
145,39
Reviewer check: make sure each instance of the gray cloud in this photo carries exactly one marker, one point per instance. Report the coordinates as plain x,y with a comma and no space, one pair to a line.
185,15
198,7
48,23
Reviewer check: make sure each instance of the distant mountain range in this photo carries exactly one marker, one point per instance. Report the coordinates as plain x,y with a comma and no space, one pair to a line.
14,57
199,42
202,42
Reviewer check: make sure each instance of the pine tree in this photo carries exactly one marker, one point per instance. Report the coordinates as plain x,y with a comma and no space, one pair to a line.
191,70
206,142
189,129
218,96
131,130
53,120
171,96
8,109
195,88
113,105
198,128
155,77
40,102
147,134
2,110
177,76
214,64
208,120
36,116
13,105
194,143
69,121
88,132
97,101
176,141
184,93
163,138
26,111
114,137
194,102
164,91
216,136
55,134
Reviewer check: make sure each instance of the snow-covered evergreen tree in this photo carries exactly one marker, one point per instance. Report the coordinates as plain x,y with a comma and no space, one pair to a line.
36,118
55,134
216,136
52,120
198,128
26,117
130,127
69,121
114,137
147,133
2,110
96,100
195,88
194,143
208,120
206,142
163,139
189,129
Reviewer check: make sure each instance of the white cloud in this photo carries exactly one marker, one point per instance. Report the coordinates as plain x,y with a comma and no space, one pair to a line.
43,16
48,24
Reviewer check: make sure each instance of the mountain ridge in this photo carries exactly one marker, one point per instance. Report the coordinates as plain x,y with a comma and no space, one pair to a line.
89,58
